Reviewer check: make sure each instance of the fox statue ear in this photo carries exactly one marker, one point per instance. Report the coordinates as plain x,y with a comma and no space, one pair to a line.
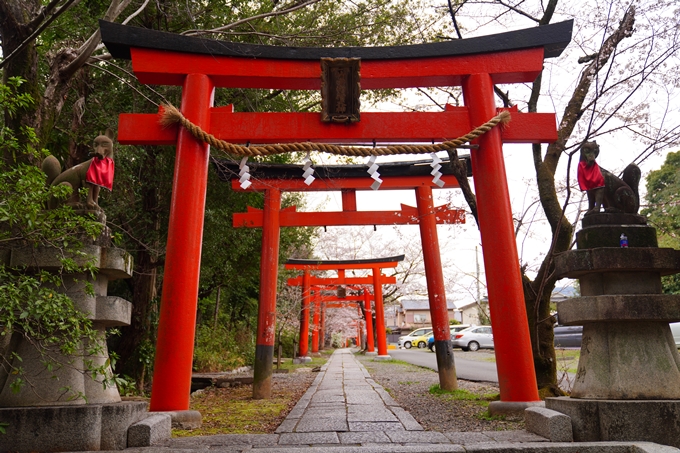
109,133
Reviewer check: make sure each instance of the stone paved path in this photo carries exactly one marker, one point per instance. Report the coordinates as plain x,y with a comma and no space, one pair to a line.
345,411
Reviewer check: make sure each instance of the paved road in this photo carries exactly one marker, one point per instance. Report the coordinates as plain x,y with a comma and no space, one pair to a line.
472,368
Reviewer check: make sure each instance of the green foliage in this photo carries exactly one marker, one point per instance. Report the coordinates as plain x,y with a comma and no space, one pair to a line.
454,322
663,200
222,349
463,395
663,210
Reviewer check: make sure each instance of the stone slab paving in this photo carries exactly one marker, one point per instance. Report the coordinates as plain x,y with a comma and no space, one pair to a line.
345,411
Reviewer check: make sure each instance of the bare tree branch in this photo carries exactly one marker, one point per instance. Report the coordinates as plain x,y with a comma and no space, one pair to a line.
282,12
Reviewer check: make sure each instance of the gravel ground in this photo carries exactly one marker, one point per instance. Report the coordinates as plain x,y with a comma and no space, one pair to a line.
410,386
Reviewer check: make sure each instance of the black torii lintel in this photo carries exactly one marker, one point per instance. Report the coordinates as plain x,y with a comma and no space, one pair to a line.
120,38
397,258
227,170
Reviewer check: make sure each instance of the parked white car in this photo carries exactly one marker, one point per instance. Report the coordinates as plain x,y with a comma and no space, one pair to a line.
406,341
473,338
454,330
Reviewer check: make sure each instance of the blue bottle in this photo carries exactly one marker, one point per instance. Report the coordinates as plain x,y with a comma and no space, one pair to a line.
623,240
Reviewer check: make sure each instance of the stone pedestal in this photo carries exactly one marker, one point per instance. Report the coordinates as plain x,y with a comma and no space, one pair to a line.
629,362
61,407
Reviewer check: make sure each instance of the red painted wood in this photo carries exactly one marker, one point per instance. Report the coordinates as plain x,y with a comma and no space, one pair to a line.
269,268
316,319
304,315
159,67
341,304
324,185
379,314
516,376
175,341
349,200
370,347
391,127
434,275
291,218
334,281
323,327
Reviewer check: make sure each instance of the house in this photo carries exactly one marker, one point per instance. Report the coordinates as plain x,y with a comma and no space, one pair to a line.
414,313
478,313
472,312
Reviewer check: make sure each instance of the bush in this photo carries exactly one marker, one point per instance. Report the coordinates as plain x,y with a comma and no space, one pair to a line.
222,348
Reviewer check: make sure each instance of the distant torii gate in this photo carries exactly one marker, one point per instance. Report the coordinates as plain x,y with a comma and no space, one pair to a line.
377,279
348,179
341,279
200,65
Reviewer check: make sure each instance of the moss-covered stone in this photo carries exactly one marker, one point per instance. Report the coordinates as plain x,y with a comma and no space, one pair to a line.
609,236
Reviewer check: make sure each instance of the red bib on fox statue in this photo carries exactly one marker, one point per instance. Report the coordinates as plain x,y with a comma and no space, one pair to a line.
100,172
589,175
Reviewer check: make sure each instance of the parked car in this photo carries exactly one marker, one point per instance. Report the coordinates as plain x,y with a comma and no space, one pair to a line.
421,341
568,336
454,329
407,340
473,338
395,330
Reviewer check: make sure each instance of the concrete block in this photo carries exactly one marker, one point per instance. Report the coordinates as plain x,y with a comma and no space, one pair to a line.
406,419
320,425
150,431
512,409
308,438
429,437
619,307
554,426
49,258
184,419
376,426
56,428
113,311
363,437
116,419
115,263
621,420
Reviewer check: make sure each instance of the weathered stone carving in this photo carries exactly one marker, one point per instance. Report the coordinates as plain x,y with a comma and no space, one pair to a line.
92,174
615,195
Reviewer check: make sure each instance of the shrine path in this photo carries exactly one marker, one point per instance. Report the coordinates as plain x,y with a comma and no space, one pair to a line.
346,411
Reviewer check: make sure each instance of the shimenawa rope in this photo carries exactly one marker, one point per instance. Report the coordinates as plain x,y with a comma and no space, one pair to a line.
171,115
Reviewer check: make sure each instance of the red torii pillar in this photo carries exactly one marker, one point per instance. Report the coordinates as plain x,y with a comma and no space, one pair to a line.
370,348
474,63
342,279
316,317
377,279
366,299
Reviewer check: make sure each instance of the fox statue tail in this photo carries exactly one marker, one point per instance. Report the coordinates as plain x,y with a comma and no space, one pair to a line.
52,168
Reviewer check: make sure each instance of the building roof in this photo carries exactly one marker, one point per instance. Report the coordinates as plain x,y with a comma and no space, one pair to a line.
423,304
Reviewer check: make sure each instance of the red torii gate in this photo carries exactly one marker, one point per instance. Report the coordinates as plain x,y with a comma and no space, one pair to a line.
326,282
200,65
377,279
416,176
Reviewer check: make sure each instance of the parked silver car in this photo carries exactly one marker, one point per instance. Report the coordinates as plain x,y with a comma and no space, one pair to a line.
473,338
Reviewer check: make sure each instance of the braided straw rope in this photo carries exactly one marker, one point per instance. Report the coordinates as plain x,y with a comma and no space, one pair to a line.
172,115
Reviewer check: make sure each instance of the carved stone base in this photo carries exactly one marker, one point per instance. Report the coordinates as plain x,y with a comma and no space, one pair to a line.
616,420
89,427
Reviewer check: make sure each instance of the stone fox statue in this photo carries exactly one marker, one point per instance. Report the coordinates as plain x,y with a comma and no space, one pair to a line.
92,174
604,189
